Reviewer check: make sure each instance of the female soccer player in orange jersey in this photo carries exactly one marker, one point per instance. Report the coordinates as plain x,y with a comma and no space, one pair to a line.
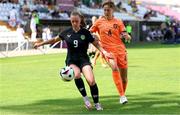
111,31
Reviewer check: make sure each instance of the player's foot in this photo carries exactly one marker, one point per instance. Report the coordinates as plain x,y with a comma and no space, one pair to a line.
87,103
123,100
98,107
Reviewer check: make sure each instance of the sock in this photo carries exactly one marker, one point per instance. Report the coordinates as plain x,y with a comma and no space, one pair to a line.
80,85
94,93
124,86
85,98
118,82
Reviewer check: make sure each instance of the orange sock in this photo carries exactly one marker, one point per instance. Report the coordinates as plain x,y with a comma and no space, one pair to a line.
118,82
124,86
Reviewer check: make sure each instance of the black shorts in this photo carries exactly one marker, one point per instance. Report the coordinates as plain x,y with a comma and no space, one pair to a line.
79,63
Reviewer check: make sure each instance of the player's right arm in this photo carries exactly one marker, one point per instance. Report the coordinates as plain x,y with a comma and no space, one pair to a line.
51,41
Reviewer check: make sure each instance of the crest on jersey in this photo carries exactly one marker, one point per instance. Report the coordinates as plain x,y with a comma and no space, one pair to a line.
69,35
83,37
115,26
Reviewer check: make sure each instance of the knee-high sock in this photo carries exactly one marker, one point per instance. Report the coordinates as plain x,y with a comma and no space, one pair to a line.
118,82
95,93
80,85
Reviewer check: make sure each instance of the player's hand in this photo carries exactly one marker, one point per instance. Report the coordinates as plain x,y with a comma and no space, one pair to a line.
107,55
126,36
37,44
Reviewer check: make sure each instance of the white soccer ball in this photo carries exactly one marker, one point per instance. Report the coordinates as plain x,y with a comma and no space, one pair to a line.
67,73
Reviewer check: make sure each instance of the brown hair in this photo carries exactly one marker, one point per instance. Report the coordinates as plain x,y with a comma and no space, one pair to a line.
76,13
109,3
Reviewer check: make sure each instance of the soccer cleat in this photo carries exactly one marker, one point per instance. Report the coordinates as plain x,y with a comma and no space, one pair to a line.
98,107
88,105
123,100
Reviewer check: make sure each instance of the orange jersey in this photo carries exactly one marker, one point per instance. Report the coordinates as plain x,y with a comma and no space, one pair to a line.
109,32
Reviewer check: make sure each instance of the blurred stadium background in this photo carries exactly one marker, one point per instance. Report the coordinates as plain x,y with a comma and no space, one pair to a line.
30,84
149,20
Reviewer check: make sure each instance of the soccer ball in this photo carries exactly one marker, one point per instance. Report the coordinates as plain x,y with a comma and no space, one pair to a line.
67,73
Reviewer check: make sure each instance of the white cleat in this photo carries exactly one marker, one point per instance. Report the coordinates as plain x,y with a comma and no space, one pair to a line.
88,105
123,100
98,107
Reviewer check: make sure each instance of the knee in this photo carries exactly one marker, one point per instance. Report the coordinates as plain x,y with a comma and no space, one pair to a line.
125,80
91,82
114,68
77,75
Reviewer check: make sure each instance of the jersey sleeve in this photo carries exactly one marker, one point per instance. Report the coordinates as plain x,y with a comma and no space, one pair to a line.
94,27
121,26
62,35
89,36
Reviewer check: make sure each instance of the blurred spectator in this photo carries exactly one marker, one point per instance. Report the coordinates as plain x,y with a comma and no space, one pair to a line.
175,28
86,2
119,4
169,35
55,13
151,34
4,1
37,21
64,15
153,13
168,22
13,17
129,29
21,36
46,35
92,3
133,5
33,28
159,34
77,3
147,16
97,3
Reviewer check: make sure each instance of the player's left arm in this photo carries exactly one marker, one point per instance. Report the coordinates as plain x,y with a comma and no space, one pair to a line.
104,52
123,32
125,35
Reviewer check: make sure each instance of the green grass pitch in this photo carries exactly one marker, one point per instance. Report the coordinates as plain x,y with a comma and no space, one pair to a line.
31,85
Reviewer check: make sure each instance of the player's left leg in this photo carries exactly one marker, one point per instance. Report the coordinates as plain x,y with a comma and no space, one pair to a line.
88,74
122,64
123,72
116,75
123,67
80,85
